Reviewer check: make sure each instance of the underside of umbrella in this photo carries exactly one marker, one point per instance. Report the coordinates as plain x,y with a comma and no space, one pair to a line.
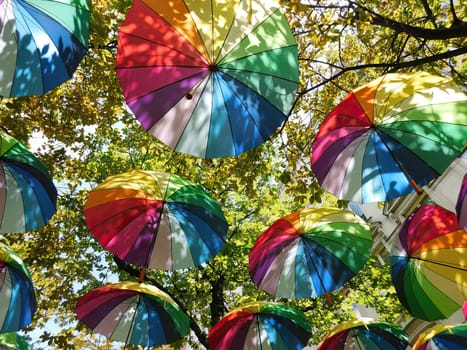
42,42
208,78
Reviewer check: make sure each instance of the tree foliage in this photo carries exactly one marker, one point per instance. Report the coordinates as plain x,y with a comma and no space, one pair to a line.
90,134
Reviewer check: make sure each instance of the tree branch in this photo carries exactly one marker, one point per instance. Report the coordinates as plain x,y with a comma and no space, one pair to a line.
457,30
429,13
392,65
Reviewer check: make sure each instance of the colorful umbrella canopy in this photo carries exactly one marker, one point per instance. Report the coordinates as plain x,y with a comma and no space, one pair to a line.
390,137
442,337
133,313
310,252
357,334
428,264
211,78
42,43
156,220
461,204
27,194
17,299
261,325
13,341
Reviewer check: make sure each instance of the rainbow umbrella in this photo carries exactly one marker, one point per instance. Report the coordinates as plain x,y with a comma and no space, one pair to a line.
357,334
310,252
442,337
211,78
156,220
133,313
461,204
13,341
27,194
17,299
261,325
390,137
41,44
429,265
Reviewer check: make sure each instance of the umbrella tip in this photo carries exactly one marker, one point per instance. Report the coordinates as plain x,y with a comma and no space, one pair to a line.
213,68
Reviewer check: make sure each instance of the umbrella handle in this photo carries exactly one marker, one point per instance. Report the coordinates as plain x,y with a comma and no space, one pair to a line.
415,187
141,274
328,299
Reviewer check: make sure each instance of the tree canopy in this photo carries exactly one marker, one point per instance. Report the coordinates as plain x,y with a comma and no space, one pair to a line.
89,134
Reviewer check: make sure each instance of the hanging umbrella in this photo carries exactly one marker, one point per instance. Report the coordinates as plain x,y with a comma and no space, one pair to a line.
428,263
13,341
442,337
156,220
390,137
17,299
27,194
461,205
357,334
42,43
310,252
208,78
133,313
261,325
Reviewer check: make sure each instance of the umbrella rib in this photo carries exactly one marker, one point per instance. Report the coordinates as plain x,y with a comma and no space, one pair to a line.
247,35
398,162
456,267
319,275
181,53
197,30
207,76
259,332
45,31
133,319
246,71
340,243
154,236
265,137
382,126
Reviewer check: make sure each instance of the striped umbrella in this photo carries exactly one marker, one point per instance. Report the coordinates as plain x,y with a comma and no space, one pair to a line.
261,325
156,220
17,299
133,313
27,194
310,252
429,265
390,137
211,78
442,337
360,335
41,44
